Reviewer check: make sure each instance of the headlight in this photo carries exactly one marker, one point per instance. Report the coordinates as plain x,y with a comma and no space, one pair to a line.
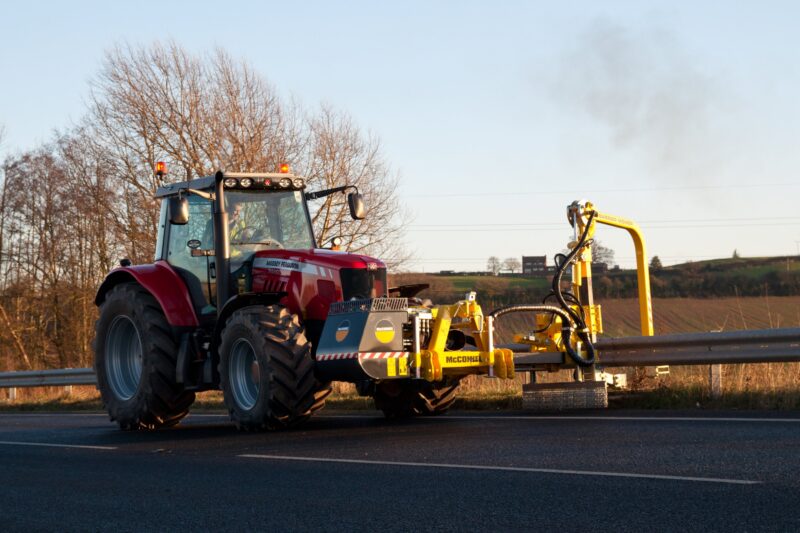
285,183
231,182
246,182
298,183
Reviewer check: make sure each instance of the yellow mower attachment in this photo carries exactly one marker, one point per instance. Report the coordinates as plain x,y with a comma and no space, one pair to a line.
385,338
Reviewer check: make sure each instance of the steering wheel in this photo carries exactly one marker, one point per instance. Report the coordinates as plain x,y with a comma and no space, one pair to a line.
270,242
256,236
260,237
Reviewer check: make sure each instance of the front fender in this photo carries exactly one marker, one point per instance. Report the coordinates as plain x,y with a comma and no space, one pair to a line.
160,280
237,302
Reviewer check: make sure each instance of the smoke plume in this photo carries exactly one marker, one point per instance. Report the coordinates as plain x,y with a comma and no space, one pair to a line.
651,95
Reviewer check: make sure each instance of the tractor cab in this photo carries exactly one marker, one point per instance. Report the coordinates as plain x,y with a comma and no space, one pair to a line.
262,212
212,230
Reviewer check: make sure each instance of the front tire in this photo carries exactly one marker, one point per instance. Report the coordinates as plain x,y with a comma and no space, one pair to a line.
135,360
404,399
266,371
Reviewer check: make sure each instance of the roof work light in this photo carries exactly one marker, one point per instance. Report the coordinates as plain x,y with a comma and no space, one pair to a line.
161,169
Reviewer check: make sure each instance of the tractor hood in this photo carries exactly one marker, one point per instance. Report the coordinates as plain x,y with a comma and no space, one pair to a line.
313,279
317,257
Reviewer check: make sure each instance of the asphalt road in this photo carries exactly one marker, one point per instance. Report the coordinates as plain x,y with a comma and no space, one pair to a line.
611,471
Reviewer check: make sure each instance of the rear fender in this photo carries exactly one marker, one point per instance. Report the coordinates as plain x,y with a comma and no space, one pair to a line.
160,280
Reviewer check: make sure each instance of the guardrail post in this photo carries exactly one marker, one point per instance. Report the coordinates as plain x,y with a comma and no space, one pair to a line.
68,390
12,394
715,376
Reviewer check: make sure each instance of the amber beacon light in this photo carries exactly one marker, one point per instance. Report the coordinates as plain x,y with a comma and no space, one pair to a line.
161,169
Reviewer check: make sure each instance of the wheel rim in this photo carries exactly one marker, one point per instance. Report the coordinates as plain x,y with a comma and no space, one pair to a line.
124,357
244,374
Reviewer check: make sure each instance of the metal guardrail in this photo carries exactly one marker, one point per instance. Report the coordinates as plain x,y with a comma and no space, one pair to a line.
733,347
48,378
730,347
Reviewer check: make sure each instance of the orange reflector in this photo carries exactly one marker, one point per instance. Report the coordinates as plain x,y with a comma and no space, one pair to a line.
284,168
161,168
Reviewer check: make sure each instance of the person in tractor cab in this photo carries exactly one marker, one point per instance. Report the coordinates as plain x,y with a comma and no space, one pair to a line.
243,232
248,232
236,225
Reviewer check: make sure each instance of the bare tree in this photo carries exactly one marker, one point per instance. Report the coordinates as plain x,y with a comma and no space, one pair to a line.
602,254
340,155
203,113
38,230
655,263
56,245
70,209
512,264
198,113
493,265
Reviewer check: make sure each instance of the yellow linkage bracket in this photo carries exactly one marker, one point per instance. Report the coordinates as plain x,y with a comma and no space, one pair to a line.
436,362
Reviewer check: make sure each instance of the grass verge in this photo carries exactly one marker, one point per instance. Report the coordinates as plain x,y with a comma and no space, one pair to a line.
745,387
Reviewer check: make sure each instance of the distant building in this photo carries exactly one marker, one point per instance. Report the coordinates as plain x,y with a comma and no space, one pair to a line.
534,265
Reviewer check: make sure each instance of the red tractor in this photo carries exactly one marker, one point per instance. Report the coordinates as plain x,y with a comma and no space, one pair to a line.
237,299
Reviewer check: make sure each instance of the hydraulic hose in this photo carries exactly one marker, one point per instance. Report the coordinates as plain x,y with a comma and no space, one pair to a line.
569,259
580,324
566,328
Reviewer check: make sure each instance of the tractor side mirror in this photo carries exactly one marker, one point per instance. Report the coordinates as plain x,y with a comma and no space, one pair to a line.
178,210
356,203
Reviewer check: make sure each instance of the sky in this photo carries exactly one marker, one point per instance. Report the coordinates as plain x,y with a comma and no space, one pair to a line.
682,116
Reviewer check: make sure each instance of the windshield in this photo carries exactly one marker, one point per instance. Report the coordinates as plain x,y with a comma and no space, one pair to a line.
258,221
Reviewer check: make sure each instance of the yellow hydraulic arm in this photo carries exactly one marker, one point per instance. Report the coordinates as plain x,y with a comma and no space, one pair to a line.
582,214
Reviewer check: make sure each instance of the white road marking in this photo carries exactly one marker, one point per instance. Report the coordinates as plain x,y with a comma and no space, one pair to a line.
485,417
505,469
554,417
568,417
52,445
639,418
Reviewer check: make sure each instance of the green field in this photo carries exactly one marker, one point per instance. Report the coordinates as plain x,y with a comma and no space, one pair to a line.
466,283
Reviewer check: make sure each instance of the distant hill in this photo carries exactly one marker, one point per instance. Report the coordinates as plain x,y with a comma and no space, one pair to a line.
754,276
716,278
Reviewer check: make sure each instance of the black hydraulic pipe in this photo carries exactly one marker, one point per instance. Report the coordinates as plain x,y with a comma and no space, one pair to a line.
556,288
580,325
221,242
566,328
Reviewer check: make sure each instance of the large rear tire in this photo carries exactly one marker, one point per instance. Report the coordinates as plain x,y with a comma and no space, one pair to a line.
403,399
266,371
135,357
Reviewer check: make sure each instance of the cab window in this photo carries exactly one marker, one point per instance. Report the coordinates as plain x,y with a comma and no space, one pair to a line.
197,234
